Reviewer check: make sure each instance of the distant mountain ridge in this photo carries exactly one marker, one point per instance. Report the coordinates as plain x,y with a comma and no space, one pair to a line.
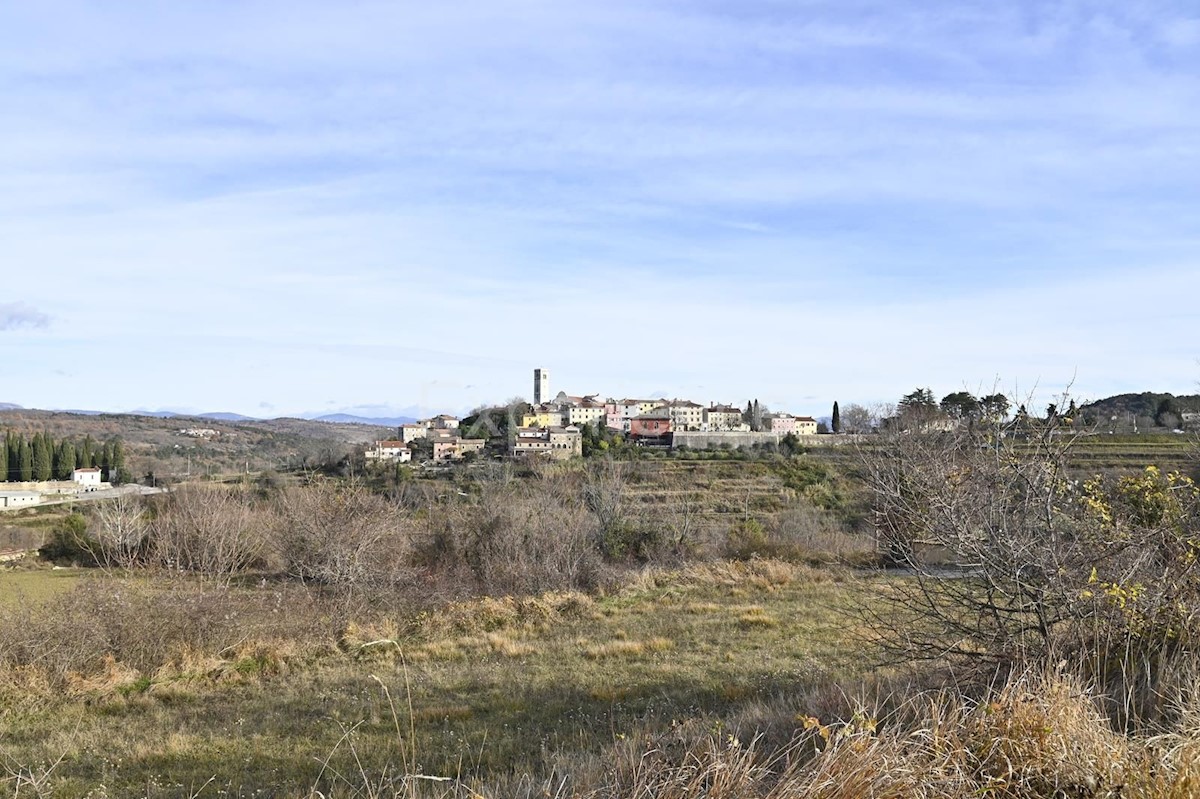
226,416
349,418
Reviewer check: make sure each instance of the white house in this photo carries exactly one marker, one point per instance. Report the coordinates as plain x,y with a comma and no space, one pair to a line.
19,499
389,451
786,423
88,478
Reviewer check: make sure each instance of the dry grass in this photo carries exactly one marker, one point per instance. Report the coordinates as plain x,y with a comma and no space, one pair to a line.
1036,737
675,688
500,687
623,648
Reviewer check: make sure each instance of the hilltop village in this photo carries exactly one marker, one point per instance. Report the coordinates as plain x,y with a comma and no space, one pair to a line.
555,426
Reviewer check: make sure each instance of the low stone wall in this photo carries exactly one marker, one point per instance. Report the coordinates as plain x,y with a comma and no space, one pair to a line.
45,487
694,440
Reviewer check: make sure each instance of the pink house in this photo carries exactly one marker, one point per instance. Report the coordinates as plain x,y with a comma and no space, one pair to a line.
655,424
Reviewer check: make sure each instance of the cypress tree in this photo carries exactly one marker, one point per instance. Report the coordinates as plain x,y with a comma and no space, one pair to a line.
836,422
87,455
43,457
4,458
118,462
106,461
25,462
65,460
13,467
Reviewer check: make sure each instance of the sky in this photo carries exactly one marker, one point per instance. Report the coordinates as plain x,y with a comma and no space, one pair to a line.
276,208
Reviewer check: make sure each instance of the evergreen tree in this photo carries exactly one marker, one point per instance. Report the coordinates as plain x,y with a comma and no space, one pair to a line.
13,472
118,473
43,457
836,422
87,454
64,460
25,462
995,406
756,418
4,458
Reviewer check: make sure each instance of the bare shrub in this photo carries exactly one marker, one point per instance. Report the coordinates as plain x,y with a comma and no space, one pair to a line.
603,492
213,532
341,535
516,540
809,533
79,636
680,517
1015,558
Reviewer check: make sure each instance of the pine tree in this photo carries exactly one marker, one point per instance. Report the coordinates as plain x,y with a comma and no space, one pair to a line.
835,423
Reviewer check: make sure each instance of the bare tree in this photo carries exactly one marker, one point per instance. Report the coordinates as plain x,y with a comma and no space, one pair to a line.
213,532
858,419
992,534
118,536
341,535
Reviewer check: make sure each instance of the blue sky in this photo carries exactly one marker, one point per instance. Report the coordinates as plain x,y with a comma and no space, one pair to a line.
285,207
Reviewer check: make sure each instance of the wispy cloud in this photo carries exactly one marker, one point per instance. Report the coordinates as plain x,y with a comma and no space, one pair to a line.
397,203
17,315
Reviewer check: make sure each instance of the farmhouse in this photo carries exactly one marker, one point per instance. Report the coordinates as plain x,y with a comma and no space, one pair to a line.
556,443
653,425
455,448
88,478
389,451
19,499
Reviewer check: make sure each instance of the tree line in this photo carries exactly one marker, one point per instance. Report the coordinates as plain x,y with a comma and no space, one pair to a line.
39,458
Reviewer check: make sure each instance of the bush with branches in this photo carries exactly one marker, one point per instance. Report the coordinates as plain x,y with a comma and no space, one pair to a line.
341,535
212,532
1014,557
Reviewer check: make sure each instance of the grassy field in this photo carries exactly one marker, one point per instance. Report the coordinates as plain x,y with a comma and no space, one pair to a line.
35,585
186,685
488,689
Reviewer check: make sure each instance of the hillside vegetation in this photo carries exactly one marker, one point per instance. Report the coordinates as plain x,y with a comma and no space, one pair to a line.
156,444
684,627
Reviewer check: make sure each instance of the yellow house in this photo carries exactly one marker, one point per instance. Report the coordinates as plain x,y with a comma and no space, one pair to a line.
542,418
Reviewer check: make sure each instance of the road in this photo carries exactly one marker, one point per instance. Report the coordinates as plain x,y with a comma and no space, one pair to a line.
91,496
